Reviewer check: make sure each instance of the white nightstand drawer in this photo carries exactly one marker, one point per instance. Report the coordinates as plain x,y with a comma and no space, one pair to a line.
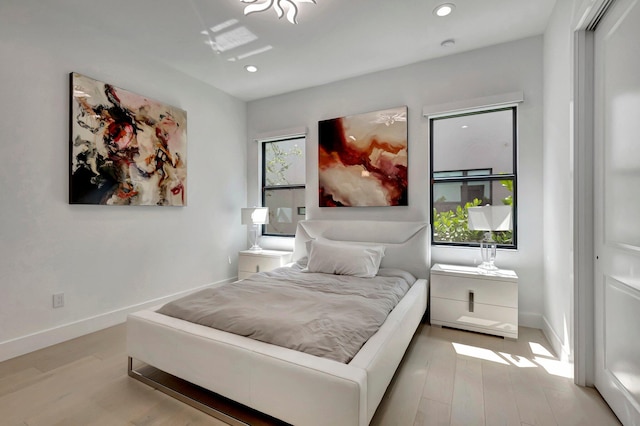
468,298
250,262
258,264
491,319
484,291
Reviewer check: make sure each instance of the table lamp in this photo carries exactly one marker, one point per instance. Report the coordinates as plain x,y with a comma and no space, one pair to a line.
255,216
489,218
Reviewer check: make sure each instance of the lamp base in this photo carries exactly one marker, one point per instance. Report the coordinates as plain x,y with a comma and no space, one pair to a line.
487,267
254,239
488,251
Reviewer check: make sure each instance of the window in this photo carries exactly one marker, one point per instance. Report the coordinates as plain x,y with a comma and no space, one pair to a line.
473,163
283,184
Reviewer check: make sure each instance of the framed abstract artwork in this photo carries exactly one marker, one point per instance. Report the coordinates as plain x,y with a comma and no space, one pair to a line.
362,159
126,149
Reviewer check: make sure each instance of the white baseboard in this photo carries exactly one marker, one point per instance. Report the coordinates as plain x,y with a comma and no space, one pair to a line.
561,350
52,336
42,339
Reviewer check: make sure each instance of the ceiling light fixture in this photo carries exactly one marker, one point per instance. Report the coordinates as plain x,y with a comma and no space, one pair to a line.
291,5
251,68
444,9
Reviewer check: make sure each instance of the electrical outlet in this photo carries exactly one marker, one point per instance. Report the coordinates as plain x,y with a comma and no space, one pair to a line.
58,300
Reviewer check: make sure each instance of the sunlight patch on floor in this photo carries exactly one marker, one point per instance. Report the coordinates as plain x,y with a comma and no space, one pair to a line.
518,361
538,349
542,358
480,353
555,367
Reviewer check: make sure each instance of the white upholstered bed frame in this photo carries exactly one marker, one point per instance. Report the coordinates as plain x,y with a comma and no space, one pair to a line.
296,387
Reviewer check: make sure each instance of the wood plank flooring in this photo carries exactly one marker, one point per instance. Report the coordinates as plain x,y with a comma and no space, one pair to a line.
447,377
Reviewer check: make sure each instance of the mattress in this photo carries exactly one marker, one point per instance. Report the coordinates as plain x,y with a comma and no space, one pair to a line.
321,314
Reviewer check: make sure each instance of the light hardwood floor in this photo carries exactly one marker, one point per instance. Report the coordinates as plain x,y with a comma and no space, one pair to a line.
447,377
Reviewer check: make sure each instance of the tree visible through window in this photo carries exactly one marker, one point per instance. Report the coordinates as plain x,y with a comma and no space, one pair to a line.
473,163
283,184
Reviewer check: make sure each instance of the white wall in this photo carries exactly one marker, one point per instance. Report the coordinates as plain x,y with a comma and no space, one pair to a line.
510,67
106,260
558,180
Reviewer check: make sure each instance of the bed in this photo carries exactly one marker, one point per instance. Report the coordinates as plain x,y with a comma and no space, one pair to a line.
296,387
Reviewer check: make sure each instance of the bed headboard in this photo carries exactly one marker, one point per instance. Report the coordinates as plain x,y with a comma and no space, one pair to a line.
407,243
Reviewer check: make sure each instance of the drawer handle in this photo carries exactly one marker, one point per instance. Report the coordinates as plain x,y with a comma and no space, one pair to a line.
471,296
257,268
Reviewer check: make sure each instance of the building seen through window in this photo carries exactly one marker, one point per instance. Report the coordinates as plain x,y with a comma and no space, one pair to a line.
473,163
283,184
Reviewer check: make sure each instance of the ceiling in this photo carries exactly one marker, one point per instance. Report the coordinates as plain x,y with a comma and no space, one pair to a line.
333,40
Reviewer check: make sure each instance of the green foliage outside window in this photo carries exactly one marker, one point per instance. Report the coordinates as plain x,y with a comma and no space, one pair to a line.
452,226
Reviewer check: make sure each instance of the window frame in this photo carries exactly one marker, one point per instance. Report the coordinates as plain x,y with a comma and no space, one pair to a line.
264,188
513,176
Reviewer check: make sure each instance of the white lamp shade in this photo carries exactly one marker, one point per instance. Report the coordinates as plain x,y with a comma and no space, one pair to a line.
489,218
255,215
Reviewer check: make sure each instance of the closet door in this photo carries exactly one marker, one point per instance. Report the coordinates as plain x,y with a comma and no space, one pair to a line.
617,209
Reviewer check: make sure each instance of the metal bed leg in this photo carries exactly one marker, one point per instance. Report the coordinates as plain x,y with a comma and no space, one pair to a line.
182,397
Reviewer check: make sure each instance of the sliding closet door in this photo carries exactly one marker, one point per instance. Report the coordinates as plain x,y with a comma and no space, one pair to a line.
617,209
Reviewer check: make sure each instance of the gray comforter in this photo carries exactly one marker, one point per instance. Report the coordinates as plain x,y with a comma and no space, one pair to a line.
325,315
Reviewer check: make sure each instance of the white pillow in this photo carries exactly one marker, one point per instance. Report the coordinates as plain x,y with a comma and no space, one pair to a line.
332,257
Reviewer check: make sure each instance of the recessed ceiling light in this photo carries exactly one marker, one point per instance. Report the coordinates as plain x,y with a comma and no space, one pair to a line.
448,43
251,68
444,9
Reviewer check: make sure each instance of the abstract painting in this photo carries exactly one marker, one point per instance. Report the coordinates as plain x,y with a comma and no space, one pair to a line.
126,149
362,159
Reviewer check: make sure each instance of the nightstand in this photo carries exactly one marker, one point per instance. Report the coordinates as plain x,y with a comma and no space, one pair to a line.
470,299
252,261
